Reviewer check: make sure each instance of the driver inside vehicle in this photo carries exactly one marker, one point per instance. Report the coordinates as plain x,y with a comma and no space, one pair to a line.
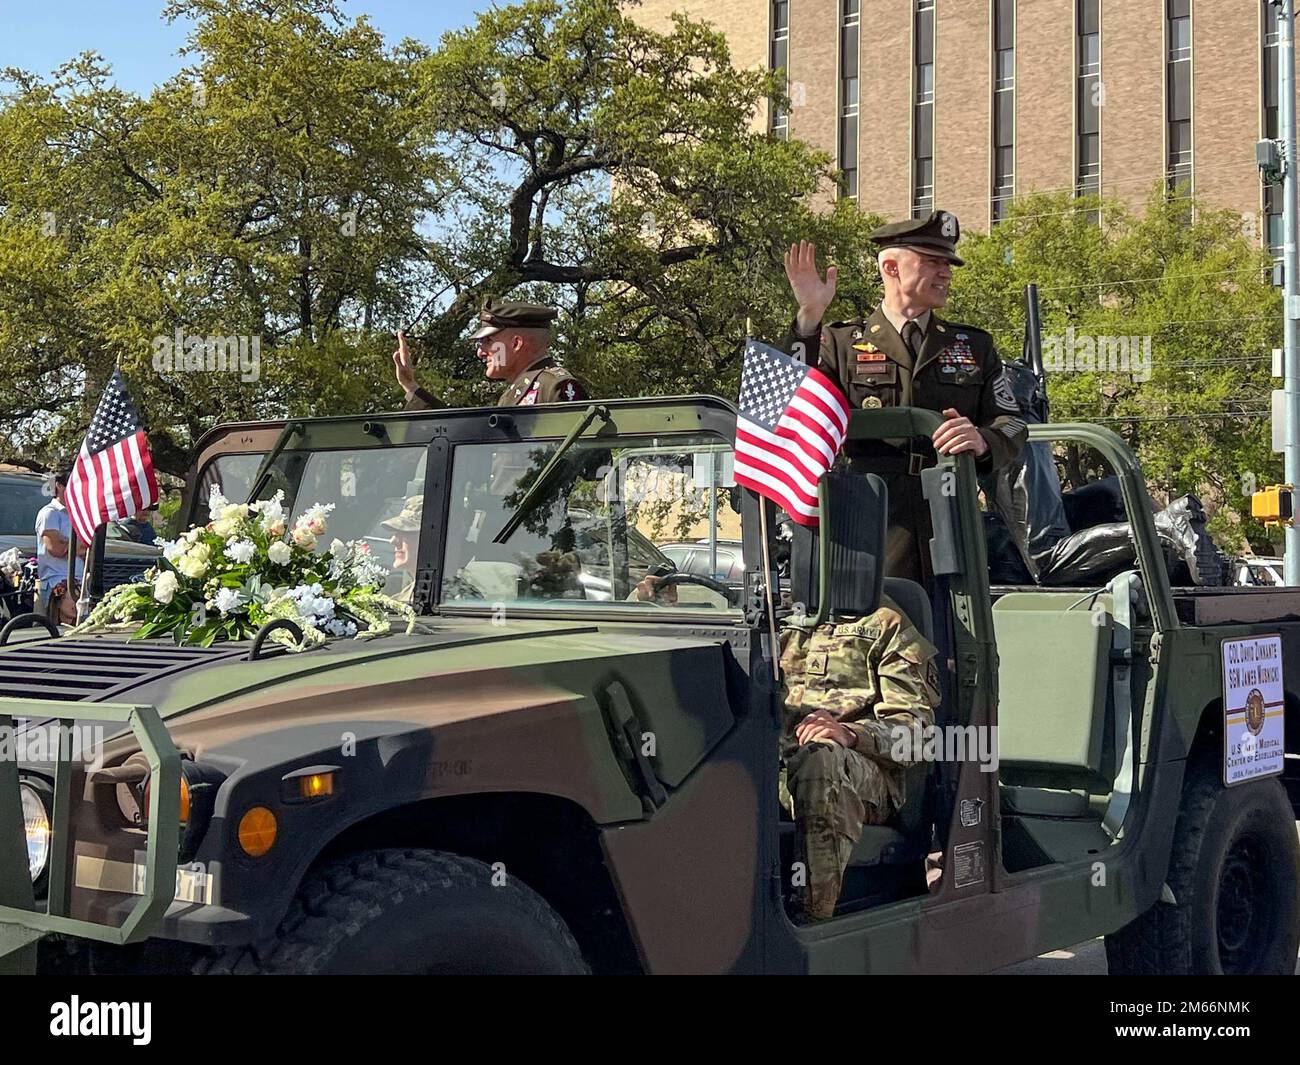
405,527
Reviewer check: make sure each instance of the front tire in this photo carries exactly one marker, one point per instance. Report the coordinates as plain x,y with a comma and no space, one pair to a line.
410,911
1235,876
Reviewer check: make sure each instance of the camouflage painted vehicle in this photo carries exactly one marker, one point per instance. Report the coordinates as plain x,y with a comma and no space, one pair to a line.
548,778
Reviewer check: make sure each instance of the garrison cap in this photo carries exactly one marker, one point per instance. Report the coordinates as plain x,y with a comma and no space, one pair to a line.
936,235
409,518
512,314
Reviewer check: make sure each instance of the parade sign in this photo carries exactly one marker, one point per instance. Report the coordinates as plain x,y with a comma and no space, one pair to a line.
1253,708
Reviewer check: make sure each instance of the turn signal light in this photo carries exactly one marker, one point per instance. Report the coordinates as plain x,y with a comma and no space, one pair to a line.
184,804
316,786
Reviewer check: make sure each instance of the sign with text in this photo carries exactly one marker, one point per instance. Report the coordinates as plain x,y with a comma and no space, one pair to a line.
1253,709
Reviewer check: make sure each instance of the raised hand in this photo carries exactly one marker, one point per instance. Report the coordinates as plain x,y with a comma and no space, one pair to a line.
812,294
403,365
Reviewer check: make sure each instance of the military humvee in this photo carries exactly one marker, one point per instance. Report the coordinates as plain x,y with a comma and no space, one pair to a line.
558,774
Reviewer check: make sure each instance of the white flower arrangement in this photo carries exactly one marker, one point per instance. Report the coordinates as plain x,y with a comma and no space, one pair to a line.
246,567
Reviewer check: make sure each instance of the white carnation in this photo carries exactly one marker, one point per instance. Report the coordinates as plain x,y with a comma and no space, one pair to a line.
227,600
240,550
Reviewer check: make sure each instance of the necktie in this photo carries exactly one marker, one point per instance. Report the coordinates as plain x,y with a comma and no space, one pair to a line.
912,337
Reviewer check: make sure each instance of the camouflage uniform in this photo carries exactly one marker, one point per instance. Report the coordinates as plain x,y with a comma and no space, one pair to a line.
407,522
876,675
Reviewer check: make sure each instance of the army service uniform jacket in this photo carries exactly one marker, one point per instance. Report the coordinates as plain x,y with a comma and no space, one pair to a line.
876,675
545,381
958,367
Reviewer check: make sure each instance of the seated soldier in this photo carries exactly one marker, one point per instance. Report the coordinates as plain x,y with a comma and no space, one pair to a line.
854,689
405,528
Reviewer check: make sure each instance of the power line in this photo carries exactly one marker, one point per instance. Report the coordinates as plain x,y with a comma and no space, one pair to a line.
1162,277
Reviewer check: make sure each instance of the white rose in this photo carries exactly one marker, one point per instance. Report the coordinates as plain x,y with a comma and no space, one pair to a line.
338,548
164,588
195,562
279,553
303,537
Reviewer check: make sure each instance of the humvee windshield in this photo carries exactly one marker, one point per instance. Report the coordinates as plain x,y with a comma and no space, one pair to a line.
367,489
592,536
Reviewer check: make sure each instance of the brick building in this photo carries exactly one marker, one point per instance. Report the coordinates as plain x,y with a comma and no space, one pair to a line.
968,103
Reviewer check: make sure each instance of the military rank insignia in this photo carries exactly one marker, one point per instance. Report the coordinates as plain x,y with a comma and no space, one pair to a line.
531,398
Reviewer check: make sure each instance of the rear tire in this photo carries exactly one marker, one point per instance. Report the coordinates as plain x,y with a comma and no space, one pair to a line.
410,911
1235,875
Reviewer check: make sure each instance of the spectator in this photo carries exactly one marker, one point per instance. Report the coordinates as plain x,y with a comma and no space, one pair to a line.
53,532
140,528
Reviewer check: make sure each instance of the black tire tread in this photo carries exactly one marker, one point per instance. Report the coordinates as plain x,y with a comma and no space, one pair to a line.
1159,941
338,900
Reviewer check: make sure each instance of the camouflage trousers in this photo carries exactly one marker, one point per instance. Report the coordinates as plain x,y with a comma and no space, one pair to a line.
833,793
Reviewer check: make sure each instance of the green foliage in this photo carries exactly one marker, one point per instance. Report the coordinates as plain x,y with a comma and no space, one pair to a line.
303,183
1182,276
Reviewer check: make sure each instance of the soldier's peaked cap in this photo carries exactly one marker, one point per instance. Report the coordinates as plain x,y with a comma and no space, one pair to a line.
512,314
936,235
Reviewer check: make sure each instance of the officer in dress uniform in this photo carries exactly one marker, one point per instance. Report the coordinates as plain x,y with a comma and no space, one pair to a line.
904,354
514,341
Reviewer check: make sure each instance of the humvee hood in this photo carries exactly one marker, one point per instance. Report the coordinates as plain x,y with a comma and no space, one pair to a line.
458,669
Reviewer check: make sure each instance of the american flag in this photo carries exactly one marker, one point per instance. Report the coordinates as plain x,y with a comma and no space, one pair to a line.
792,421
113,477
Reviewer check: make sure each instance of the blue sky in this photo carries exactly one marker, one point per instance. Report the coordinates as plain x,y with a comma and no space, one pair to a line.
38,35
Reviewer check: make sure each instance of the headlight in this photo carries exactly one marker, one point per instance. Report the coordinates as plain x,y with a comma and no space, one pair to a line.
36,827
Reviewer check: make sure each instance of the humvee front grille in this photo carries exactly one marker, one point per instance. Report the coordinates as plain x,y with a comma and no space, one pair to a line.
89,669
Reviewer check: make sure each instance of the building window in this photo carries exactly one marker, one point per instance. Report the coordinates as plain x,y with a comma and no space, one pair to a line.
780,60
1004,106
1178,82
1088,95
849,19
923,110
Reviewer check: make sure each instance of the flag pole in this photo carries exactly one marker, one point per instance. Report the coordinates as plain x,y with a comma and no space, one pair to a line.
767,585
767,561
92,581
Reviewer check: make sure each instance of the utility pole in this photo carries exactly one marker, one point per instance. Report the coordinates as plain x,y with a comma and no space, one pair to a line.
1290,271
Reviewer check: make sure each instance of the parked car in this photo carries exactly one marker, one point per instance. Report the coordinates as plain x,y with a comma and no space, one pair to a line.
693,557
1257,572
23,494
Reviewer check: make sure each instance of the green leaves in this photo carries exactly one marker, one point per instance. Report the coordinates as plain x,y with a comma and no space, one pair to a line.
1178,288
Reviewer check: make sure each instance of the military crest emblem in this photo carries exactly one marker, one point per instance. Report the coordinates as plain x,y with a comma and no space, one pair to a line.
1255,711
